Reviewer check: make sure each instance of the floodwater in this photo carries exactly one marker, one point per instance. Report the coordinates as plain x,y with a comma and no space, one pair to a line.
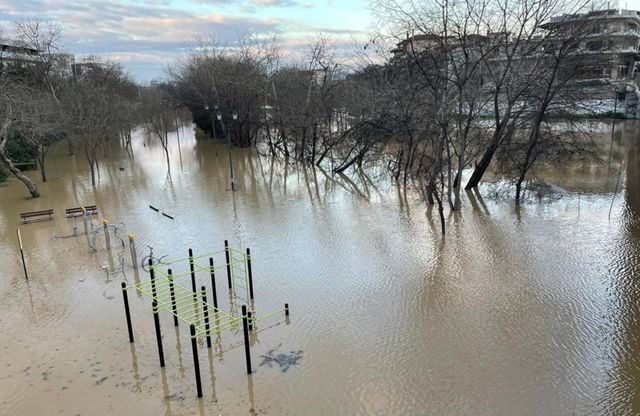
517,311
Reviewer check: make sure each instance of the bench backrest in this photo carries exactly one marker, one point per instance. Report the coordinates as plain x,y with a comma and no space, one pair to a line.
36,213
79,209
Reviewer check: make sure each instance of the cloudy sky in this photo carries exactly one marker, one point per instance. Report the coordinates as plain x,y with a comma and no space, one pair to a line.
146,34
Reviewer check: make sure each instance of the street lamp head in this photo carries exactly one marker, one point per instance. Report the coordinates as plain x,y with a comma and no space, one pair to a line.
219,116
235,116
206,107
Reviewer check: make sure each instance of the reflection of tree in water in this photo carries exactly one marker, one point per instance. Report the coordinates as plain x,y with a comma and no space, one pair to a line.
623,395
632,194
283,360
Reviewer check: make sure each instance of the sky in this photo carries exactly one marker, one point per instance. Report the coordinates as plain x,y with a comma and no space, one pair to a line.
145,35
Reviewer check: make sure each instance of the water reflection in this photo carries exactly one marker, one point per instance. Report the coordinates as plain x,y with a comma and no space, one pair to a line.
134,365
212,373
528,310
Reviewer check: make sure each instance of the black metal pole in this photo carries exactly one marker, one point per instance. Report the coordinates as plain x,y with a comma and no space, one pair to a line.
213,282
249,320
249,273
127,313
615,111
172,292
213,125
152,276
203,290
24,265
230,158
196,362
193,273
286,309
156,319
245,329
226,253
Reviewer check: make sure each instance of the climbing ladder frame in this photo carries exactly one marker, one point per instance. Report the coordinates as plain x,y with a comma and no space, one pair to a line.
192,307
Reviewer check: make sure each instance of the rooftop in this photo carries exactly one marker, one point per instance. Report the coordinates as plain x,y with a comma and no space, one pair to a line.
597,14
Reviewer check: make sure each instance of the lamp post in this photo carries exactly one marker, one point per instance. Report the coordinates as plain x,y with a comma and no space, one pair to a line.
214,110
615,111
613,124
178,132
226,133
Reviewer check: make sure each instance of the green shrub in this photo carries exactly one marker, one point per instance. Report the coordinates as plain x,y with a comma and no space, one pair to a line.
3,175
19,151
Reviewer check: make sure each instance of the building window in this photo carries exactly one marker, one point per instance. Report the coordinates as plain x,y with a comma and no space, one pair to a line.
594,45
622,71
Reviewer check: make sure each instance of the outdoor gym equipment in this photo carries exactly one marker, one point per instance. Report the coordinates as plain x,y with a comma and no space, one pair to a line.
169,292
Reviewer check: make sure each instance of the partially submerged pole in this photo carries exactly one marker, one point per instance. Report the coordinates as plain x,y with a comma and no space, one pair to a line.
250,275
24,265
126,310
107,239
196,362
132,249
172,293
245,330
203,291
227,256
152,277
213,283
84,220
156,319
193,273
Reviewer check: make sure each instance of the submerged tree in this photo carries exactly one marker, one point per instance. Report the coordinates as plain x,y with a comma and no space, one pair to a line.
10,99
31,74
92,105
158,117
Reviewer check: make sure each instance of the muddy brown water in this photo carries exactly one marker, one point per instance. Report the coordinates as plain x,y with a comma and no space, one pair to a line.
523,311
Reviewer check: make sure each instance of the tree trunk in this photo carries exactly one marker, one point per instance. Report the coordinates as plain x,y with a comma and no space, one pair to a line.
303,145
93,172
323,155
440,210
166,153
165,146
482,167
519,188
42,152
6,161
315,140
437,169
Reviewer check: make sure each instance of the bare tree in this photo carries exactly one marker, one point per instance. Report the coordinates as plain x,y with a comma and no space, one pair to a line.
39,124
158,118
9,111
91,108
48,66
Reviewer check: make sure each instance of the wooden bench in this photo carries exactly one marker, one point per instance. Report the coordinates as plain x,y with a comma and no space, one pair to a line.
25,216
77,211
31,164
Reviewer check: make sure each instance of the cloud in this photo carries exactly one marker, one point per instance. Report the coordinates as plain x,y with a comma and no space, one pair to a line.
250,4
146,34
275,3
